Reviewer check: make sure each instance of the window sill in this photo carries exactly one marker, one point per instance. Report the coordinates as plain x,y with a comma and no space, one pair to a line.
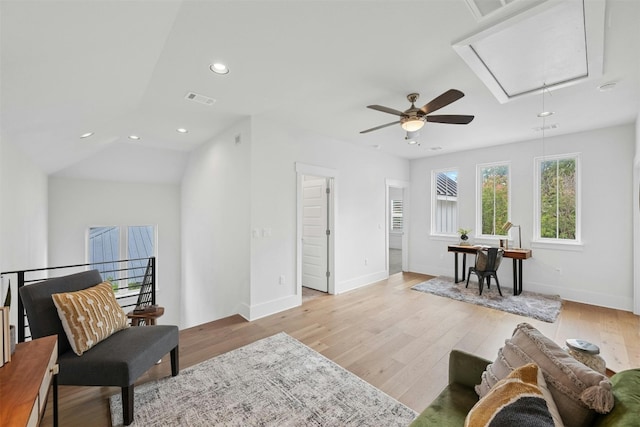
560,246
445,237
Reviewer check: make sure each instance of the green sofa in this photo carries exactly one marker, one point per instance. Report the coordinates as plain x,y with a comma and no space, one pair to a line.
465,370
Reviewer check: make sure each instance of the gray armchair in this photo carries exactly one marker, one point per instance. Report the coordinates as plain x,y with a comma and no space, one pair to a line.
117,361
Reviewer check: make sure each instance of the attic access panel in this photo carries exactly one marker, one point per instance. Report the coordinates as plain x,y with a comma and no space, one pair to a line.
553,44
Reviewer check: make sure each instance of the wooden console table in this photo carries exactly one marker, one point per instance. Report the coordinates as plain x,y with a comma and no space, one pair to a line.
25,381
516,254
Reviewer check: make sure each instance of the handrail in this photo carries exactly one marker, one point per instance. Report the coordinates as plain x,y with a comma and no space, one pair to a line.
22,281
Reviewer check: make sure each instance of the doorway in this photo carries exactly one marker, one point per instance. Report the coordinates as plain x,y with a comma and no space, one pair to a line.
316,231
396,229
397,226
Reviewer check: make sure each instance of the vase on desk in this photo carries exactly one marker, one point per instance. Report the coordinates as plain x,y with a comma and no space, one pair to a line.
464,240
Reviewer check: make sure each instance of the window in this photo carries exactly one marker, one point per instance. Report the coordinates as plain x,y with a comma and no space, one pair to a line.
494,198
557,184
109,246
396,215
444,205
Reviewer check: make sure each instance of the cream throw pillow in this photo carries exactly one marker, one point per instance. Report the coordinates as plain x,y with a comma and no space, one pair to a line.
578,391
89,316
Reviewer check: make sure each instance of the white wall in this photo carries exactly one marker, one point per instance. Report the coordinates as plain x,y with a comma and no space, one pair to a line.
23,216
360,189
231,189
601,271
216,205
77,204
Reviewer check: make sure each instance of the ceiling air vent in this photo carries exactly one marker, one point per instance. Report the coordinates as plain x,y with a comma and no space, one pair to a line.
196,97
547,127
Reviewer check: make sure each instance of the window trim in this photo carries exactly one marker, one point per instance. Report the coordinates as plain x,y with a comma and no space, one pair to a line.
434,201
543,241
394,215
478,231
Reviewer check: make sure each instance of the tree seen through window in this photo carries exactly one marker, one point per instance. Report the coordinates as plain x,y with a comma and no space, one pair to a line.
558,205
495,198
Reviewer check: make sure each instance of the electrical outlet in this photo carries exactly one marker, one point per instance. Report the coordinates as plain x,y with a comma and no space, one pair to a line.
558,270
282,279
366,261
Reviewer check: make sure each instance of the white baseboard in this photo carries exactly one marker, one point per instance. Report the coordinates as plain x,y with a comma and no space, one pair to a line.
268,308
577,295
586,297
358,282
244,310
431,270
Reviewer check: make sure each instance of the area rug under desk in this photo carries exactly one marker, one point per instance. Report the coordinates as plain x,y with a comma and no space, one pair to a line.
276,381
530,304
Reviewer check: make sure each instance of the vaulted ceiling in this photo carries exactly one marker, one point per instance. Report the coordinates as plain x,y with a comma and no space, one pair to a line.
117,68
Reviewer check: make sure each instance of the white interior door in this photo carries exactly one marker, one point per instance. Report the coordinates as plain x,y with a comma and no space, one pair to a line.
314,233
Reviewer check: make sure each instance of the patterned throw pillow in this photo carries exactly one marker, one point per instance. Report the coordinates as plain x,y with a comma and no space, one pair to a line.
578,391
522,398
89,316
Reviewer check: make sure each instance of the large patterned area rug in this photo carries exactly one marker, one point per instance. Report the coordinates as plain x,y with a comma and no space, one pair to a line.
276,381
530,304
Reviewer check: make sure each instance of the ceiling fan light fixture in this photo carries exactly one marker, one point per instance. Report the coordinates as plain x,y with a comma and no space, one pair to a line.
412,124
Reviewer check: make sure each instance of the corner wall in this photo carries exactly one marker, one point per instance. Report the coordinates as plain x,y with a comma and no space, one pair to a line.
231,190
601,271
23,216
216,205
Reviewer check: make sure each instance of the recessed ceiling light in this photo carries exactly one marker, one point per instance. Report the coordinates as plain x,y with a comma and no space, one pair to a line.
435,148
219,68
181,130
86,135
134,137
607,86
412,142
546,114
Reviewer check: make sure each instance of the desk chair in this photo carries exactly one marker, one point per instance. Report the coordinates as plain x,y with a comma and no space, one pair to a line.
487,267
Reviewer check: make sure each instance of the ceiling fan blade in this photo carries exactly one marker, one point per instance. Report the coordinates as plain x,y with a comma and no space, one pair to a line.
450,119
442,101
386,110
380,127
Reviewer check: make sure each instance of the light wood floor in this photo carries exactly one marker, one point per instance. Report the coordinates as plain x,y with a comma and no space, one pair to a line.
392,337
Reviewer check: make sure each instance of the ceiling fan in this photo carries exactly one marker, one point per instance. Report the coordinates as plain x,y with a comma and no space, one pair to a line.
414,118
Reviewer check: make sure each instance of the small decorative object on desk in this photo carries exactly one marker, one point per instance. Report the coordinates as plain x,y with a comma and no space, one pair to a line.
587,353
464,236
145,309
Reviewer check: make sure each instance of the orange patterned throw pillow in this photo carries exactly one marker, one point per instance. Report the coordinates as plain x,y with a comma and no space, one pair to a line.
89,316
522,398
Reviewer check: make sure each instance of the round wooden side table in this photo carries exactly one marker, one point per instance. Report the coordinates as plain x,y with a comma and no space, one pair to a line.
149,317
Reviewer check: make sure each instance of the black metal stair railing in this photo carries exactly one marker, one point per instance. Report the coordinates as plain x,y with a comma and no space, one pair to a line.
126,277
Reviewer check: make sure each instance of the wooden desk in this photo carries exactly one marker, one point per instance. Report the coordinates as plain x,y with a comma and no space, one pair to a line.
25,381
516,254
